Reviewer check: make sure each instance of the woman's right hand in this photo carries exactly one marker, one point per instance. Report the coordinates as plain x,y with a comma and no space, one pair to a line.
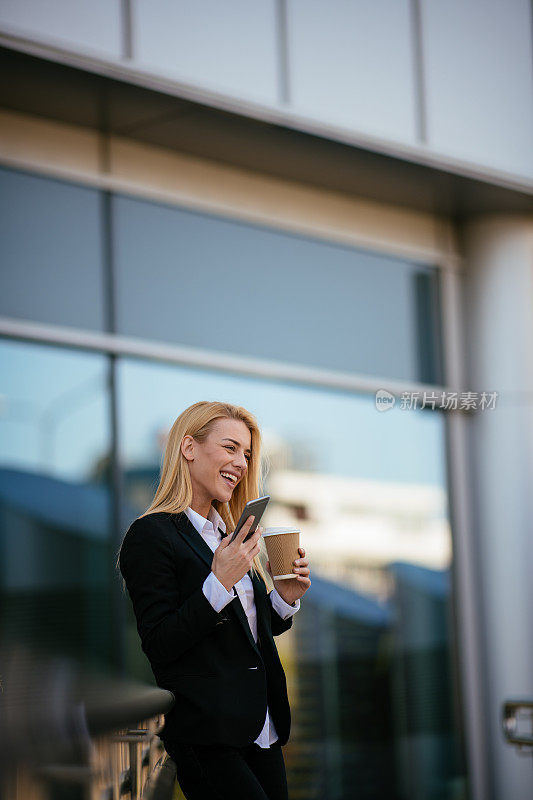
232,560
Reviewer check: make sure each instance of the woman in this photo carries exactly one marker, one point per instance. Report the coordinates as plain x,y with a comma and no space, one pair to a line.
203,613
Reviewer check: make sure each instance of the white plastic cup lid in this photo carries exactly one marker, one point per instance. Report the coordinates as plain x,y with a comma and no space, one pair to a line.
284,529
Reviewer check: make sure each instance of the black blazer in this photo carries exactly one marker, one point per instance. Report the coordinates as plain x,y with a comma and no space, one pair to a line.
221,678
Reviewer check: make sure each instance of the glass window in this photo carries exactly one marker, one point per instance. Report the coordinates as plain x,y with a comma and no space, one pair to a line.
192,279
52,268
56,565
368,660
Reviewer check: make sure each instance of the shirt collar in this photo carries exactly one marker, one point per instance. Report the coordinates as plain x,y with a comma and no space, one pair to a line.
200,522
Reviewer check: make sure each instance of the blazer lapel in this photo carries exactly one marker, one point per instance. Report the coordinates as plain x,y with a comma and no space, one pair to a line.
189,533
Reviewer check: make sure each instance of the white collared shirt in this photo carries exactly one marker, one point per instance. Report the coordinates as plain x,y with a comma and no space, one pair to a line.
219,597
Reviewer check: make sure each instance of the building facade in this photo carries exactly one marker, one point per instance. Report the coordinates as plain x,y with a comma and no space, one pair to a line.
322,212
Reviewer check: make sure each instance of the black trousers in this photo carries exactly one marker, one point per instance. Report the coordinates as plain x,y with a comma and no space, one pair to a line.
221,772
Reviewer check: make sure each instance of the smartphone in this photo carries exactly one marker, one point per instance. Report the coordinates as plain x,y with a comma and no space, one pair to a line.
255,508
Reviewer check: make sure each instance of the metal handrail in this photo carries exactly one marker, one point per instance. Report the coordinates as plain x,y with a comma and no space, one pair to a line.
42,693
58,725
112,706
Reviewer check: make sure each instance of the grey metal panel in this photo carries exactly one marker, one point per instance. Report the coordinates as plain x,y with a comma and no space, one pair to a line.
351,63
206,282
229,46
51,251
424,182
94,25
479,80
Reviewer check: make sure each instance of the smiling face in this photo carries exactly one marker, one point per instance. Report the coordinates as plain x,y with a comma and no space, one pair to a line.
217,464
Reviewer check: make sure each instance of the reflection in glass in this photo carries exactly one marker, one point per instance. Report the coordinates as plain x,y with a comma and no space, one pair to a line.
56,557
368,659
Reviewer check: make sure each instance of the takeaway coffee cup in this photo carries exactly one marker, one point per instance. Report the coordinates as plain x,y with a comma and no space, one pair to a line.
282,549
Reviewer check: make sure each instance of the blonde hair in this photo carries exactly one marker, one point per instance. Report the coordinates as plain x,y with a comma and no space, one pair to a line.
174,492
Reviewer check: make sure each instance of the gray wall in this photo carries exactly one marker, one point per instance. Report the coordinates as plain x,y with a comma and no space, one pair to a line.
499,339
351,64
454,77
229,47
73,24
479,78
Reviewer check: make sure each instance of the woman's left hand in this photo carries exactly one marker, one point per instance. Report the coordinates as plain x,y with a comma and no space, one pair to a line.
291,590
